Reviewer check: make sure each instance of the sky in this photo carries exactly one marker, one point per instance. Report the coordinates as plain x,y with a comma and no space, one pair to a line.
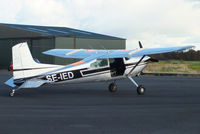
156,23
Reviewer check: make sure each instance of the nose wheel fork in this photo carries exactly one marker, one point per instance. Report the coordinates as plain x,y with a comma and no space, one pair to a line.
12,93
140,89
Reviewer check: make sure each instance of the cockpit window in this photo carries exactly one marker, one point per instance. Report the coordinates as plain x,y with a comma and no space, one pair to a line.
99,63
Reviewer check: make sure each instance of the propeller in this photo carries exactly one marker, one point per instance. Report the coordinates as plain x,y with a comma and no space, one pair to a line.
151,59
140,45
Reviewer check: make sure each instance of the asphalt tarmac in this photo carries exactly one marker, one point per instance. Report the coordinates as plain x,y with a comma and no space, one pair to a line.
171,105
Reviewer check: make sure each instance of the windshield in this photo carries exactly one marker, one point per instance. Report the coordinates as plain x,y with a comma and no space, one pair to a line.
99,63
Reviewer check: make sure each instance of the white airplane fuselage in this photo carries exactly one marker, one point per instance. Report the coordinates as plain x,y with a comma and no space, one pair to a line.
85,73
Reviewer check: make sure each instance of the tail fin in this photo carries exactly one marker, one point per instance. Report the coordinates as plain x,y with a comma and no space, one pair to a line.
22,57
23,64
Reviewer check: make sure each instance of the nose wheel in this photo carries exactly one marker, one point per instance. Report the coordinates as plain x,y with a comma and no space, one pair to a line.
140,89
112,87
12,93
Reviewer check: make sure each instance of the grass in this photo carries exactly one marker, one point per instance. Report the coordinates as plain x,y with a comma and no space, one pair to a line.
174,66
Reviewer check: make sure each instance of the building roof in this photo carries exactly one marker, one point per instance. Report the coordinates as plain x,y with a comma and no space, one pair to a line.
57,31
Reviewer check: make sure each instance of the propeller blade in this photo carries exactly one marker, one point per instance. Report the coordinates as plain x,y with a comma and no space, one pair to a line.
140,44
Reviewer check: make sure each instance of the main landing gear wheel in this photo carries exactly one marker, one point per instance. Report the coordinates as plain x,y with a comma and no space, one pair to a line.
112,87
140,90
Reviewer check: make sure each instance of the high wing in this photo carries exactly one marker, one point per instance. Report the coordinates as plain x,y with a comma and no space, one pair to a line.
101,54
84,53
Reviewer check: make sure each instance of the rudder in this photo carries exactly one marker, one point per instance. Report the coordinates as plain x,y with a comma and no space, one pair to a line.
22,57
24,65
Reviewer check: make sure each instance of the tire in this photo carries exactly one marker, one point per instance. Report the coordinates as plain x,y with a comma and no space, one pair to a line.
140,90
112,87
11,94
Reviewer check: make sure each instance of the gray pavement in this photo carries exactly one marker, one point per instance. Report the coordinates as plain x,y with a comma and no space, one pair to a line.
171,105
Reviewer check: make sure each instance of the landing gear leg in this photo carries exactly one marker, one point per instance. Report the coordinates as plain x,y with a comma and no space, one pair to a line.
140,88
112,87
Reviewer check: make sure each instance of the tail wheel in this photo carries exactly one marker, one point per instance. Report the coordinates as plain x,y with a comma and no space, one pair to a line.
112,87
140,90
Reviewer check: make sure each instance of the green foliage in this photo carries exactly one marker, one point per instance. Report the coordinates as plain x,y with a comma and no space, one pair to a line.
190,55
174,66
194,65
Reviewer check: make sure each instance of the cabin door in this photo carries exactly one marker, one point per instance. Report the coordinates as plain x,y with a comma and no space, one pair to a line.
117,66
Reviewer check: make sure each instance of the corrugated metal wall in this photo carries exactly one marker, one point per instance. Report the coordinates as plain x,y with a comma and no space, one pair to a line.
44,38
100,43
64,43
37,46
6,51
40,45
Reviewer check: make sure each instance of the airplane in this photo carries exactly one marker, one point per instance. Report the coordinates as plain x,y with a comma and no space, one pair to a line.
93,65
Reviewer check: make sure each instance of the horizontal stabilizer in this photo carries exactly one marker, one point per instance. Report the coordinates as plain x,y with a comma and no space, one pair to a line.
10,82
33,83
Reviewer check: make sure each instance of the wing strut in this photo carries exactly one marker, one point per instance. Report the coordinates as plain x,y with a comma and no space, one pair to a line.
136,65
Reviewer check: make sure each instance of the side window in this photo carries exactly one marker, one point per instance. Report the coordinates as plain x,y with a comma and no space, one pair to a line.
94,64
111,60
99,63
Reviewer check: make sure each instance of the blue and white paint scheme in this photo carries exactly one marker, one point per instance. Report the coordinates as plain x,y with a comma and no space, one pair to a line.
94,65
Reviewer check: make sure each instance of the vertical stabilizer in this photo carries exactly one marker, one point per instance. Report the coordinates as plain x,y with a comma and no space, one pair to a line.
22,57
24,65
